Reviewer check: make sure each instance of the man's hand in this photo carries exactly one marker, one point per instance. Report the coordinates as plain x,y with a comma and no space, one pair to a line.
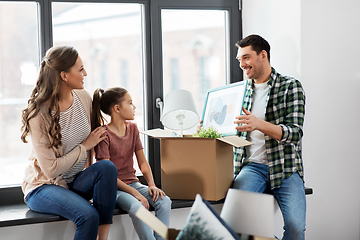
247,122
198,126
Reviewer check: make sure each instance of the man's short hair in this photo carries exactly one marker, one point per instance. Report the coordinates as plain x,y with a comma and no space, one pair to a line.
257,44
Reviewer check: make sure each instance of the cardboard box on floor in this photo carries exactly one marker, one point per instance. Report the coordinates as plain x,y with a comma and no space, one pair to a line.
169,233
192,165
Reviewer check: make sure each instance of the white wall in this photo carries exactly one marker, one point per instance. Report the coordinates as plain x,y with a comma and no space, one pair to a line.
122,228
318,42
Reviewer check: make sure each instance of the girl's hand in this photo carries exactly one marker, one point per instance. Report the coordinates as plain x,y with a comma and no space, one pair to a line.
94,138
142,199
156,192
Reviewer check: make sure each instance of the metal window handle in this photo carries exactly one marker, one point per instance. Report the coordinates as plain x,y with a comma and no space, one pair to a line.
160,104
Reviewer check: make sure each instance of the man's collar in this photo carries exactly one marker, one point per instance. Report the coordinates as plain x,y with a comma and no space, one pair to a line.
271,81
273,77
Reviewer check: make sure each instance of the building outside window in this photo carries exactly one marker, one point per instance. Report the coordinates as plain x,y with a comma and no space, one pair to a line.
174,74
124,75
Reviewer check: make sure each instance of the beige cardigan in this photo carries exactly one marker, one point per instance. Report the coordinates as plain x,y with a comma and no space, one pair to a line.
49,164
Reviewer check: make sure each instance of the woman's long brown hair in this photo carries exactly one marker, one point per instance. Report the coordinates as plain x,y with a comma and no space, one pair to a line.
47,89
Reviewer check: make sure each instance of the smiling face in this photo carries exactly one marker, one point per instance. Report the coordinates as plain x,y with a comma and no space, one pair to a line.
254,65
74,79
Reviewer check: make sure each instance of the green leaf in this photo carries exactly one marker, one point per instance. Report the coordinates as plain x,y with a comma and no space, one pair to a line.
210,132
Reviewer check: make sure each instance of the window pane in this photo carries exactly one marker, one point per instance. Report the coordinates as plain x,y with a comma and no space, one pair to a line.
194,44
109,38
19,60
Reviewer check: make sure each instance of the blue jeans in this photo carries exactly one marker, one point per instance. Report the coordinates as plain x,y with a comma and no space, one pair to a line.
130,204
290,196
99,181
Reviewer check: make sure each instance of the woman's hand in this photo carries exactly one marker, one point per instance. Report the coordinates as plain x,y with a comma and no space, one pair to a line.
156,192
94,138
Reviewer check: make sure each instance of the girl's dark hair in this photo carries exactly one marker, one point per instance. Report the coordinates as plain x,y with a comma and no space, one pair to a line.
105,101
257,44
56,60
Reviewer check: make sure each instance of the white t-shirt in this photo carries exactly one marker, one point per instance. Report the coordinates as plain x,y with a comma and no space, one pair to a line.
257,151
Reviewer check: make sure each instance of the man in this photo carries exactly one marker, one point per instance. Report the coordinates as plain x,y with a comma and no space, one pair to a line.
274,109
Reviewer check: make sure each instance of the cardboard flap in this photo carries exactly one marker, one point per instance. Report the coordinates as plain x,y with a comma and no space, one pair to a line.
249,212
232,140
153,222
157,133
235,141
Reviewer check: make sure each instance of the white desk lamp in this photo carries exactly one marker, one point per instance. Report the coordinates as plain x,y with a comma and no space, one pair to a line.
179,111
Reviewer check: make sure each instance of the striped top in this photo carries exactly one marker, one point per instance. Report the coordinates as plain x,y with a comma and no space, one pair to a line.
75,128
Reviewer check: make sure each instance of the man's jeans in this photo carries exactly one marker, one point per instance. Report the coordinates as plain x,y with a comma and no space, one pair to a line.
290,196
130,204
99,181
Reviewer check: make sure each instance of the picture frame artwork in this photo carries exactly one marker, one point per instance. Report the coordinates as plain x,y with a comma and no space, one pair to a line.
222,105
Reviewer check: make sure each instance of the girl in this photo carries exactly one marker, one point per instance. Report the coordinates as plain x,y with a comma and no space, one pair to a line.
119,146
57,119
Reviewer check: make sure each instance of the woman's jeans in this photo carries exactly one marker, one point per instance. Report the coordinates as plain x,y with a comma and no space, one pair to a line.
290,196
97,182
130,204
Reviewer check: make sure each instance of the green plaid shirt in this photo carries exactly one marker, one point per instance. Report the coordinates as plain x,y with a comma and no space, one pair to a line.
285,107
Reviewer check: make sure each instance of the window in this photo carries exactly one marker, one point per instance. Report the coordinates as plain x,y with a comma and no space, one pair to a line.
149,47
19,61
105,34
174,74
194,36
201,35
203,76
124,73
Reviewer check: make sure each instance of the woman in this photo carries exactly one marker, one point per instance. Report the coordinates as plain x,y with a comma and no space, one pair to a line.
57,119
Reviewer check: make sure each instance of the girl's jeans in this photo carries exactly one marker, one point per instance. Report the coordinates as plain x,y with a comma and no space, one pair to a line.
290,196
99,181
130,204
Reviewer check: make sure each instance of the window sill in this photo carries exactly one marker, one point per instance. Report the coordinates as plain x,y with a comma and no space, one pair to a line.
18,213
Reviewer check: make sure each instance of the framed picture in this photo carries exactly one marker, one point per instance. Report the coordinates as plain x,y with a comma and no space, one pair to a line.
222,105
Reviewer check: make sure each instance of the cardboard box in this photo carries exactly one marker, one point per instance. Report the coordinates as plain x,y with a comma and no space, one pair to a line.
192,165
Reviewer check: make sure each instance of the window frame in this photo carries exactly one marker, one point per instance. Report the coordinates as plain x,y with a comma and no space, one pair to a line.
156,49
153,87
